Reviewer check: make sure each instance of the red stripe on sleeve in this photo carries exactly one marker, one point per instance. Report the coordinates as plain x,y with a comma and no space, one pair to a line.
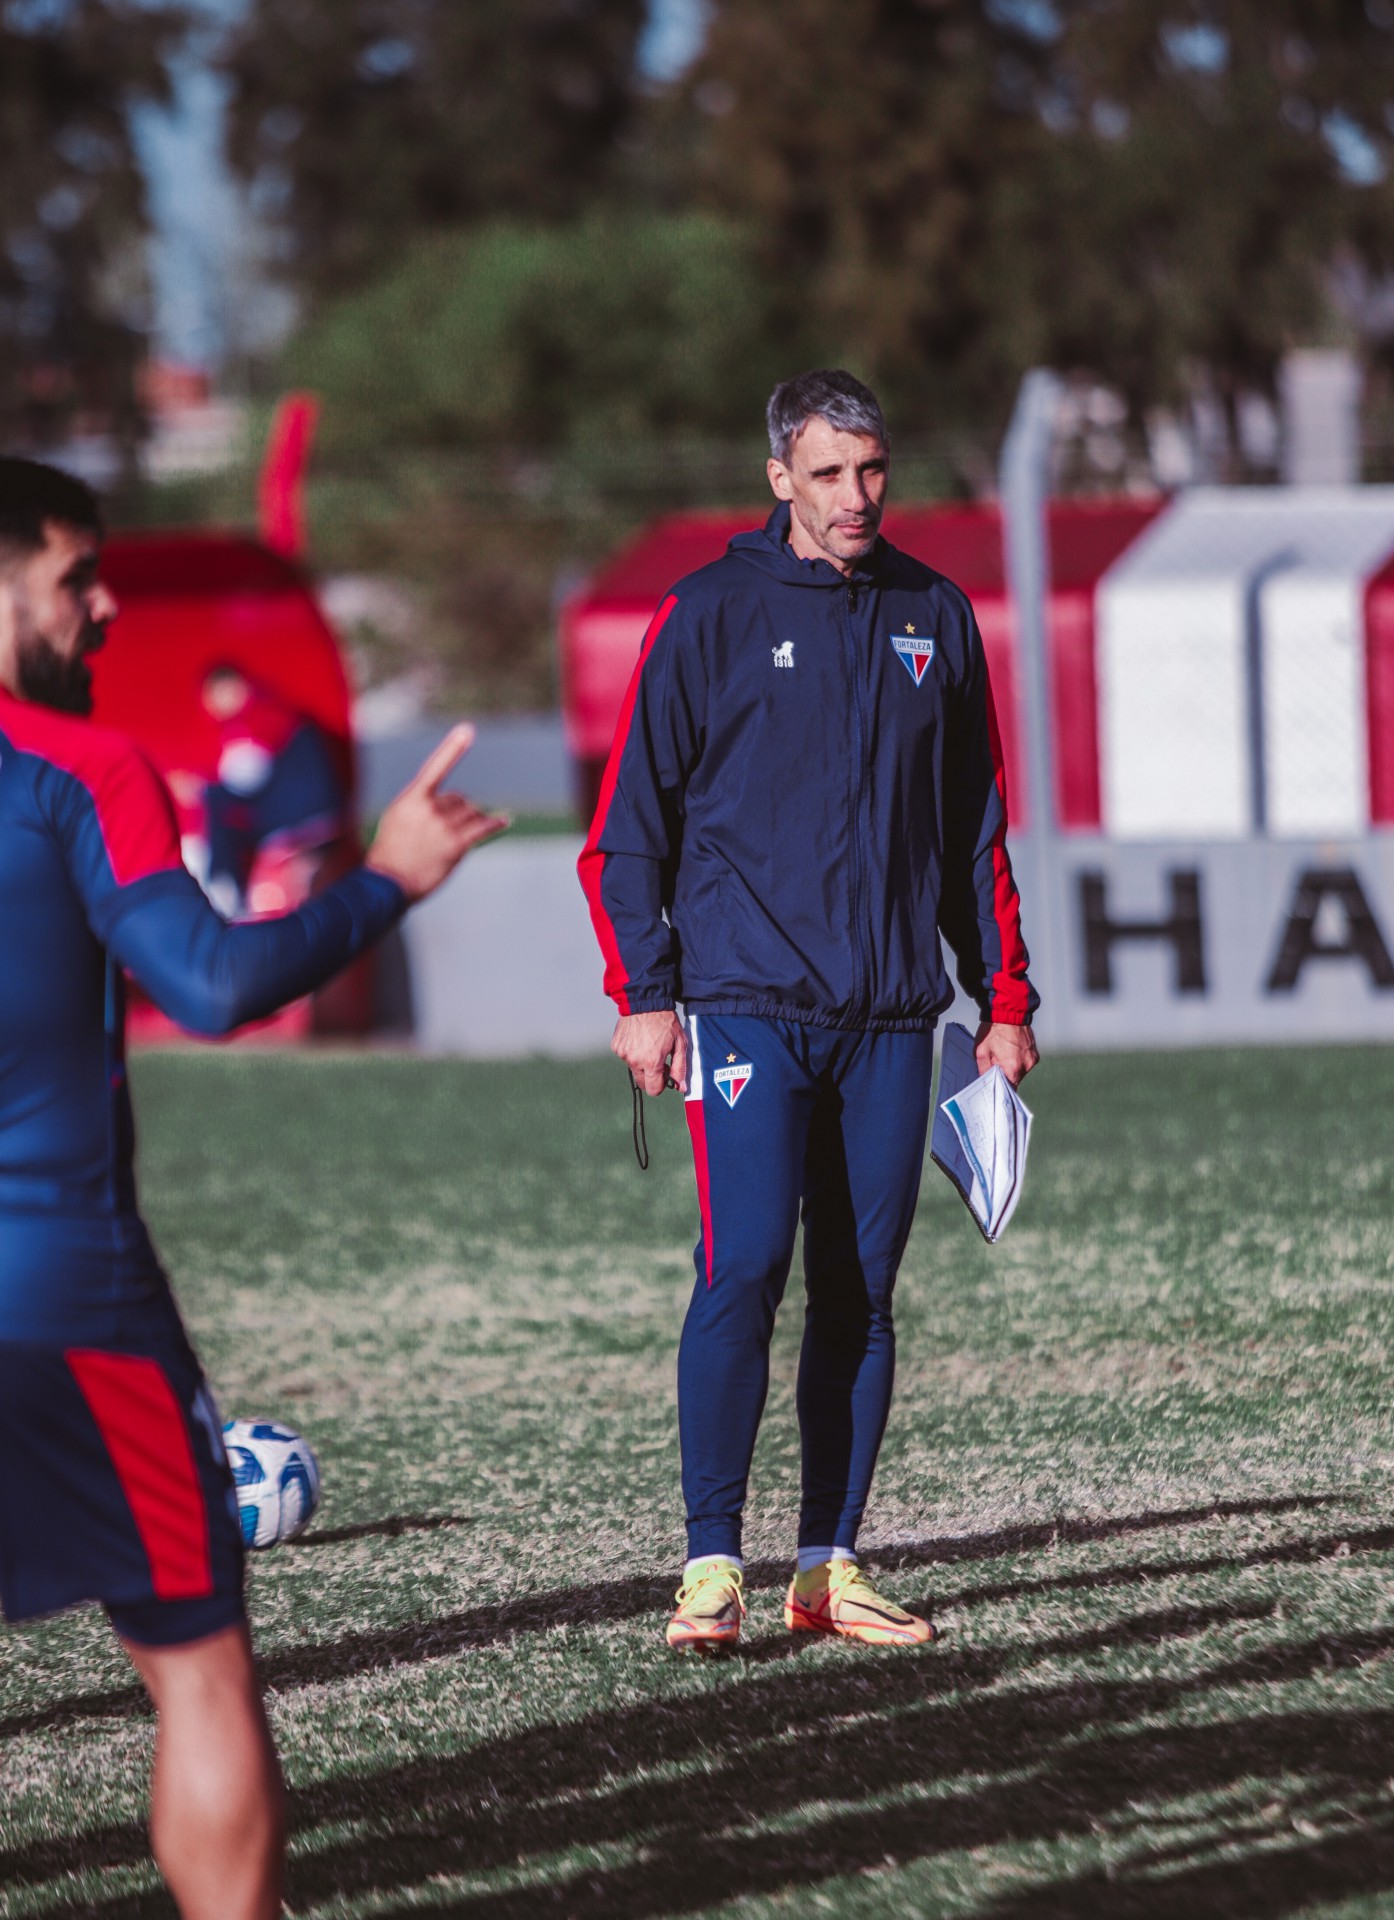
697,1127
1010,999
135,815
591,865
143,1430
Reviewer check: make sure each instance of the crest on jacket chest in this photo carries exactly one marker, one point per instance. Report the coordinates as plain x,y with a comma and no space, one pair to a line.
916,650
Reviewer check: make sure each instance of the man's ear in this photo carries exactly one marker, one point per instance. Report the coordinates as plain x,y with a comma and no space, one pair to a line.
9,631
9,610
779,479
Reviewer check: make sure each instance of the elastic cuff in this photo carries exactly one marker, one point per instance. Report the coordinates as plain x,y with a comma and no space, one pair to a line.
1009,1014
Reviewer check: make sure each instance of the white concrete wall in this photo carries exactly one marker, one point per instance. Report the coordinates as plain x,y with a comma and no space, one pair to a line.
503,959
1314,730
504,963
1174,750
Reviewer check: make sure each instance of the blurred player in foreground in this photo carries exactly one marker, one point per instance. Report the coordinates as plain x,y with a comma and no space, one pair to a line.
805,788
116,1487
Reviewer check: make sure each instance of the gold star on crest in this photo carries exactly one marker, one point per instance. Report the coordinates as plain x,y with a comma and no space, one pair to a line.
730,1059
908,627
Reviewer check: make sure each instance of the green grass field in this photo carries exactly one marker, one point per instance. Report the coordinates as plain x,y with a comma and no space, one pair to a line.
1139,1468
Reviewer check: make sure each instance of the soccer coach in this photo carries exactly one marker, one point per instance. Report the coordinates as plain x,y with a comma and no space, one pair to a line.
804,790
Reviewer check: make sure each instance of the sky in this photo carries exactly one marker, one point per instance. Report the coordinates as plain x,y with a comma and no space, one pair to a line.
209,291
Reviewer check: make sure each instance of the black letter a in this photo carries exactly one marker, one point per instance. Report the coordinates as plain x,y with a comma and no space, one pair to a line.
1363,939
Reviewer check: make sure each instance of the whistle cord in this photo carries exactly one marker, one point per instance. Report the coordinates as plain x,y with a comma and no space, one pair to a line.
641,1140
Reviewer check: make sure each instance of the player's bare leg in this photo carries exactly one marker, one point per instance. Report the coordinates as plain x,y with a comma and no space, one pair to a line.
217,1806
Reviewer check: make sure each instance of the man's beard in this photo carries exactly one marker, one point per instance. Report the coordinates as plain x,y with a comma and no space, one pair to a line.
49,680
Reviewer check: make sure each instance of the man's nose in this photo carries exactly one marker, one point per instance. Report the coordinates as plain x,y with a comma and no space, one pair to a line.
102,603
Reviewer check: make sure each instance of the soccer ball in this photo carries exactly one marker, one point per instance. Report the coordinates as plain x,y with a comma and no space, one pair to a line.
276,1475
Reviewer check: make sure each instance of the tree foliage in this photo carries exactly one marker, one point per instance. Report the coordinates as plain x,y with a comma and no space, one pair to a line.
499,229
957,189
365,122
72,206
517,335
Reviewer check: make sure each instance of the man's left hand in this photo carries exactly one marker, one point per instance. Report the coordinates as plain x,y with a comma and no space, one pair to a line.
1013,1049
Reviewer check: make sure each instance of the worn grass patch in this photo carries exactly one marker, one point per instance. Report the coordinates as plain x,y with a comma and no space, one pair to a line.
1138,1466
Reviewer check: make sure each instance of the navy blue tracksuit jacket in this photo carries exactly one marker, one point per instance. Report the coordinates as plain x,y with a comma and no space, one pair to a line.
117,1485
92,882
805,790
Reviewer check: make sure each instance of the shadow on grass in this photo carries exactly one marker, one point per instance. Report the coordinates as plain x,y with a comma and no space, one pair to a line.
849,1766
1064,1531
810,1755
611,1601
827,1749
1284,1879
535,1792
390,1528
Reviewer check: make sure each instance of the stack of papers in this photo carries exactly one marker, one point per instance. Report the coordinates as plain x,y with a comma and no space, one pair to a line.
980,1133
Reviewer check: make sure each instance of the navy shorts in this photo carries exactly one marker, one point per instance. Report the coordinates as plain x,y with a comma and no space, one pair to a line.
116,1488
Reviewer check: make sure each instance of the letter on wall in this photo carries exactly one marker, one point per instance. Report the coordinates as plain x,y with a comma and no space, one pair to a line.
1182,930
1301,942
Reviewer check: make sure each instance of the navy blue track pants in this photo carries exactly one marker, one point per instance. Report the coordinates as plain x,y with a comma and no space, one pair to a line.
785,1116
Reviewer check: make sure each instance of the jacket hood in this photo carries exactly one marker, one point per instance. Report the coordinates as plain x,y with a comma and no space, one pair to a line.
768,549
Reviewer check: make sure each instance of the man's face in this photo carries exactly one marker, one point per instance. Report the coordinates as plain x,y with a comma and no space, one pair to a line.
58,610
835,483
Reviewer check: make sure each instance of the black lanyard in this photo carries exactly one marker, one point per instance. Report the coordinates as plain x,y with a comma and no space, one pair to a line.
641,1139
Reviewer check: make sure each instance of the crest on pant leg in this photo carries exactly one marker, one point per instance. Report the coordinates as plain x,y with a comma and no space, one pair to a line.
732,1081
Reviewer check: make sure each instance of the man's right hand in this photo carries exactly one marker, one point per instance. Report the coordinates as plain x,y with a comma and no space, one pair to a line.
654,1048
424,834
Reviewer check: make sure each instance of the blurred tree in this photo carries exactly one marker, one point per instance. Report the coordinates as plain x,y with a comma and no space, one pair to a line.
72,207
1143,190
508,400
1216,164
876,146
363,122
626,325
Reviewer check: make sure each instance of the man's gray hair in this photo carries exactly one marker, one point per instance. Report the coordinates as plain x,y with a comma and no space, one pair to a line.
829,394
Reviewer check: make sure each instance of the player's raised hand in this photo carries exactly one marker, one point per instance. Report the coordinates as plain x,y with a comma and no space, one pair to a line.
425,833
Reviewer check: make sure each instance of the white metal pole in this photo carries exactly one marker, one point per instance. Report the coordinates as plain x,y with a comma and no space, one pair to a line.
1023,482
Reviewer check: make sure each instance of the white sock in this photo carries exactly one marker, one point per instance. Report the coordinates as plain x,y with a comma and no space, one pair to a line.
815,1556
708,1560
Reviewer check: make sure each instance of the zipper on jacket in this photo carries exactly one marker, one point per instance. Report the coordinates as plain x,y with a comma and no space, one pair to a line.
861,967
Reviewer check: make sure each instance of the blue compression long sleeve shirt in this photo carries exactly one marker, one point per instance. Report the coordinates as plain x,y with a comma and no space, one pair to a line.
91,884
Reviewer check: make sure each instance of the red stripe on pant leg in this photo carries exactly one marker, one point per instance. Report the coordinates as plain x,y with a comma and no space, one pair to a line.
143,1430
697,1127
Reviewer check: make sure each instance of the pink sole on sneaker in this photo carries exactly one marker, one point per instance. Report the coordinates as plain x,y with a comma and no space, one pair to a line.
799,1619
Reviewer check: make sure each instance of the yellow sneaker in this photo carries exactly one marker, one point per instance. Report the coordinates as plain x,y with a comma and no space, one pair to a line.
837,1597
711,1606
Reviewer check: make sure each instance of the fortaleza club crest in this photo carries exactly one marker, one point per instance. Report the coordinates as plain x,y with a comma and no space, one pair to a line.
915,650
733,1080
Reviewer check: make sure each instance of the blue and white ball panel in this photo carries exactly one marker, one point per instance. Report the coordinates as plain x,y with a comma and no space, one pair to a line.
276,1477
